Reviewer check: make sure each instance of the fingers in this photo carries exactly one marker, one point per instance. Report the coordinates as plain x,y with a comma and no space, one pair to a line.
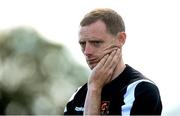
110,48
110,58
113,59
116,59
107,51
102,61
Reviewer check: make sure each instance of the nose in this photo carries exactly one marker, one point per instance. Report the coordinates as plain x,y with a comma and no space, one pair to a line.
88,50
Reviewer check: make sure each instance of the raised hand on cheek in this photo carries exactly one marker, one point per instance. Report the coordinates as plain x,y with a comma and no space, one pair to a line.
102,73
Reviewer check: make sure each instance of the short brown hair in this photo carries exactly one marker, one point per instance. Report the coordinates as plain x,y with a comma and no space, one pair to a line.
114,22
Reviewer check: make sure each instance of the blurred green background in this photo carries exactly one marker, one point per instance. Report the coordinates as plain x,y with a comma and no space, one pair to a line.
36,77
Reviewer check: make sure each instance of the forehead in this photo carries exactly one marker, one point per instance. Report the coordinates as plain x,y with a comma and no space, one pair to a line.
94,30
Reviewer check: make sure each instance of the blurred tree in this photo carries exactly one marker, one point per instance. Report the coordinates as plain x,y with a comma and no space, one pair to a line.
36,76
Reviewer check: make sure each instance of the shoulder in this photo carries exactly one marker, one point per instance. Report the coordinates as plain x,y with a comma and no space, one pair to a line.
130,74
77,99
79,92
143,88
147,88
139,84
147,99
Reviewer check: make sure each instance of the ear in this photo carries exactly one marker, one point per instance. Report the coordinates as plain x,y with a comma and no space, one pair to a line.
121,38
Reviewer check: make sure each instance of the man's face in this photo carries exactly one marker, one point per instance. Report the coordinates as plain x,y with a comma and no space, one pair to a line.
95,41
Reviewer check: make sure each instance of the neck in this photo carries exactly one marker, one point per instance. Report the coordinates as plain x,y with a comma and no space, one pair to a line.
119,69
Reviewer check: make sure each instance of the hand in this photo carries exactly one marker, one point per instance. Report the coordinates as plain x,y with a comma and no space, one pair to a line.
108,50
102,73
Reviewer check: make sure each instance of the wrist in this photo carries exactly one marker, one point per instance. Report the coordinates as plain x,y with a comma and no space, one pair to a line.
94,89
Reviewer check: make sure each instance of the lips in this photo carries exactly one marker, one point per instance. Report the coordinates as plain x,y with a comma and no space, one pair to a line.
92,61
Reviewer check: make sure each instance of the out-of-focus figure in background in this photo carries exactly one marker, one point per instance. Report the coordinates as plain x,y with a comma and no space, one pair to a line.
36,76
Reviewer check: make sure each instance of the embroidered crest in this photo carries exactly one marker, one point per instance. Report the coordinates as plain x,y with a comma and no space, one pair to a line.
105,107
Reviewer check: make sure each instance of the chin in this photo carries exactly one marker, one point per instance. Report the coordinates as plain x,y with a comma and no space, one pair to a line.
91,66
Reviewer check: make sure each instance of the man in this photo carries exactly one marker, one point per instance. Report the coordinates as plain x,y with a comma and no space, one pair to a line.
113,86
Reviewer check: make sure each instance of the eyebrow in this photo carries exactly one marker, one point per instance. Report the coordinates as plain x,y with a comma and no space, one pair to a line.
80,41
91,39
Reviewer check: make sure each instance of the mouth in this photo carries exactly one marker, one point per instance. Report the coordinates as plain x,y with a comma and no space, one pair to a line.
92,61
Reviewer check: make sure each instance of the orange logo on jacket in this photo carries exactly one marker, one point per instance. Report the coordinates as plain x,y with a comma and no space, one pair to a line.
105,107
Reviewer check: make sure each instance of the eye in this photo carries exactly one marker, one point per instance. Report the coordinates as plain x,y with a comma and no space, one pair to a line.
82,44
96,43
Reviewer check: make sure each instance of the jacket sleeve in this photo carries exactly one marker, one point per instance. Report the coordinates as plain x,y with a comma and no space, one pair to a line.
147,100
69,108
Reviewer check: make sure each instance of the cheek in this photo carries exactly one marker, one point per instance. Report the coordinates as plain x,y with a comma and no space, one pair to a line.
82,50
100,54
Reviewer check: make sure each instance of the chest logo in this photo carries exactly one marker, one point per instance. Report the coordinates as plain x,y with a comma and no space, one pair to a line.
105,107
